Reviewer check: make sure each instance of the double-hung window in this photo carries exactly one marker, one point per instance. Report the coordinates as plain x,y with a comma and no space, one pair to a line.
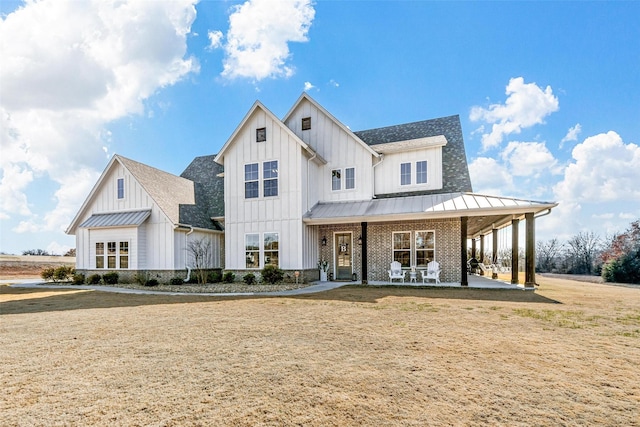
252,250
251,184
124,254
425,248
349,179
270,178
421,172
111,254
402,248
100,255
405,174
271,249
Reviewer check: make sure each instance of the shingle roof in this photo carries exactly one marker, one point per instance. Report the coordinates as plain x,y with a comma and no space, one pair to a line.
167,190
209,193
455,171
117,219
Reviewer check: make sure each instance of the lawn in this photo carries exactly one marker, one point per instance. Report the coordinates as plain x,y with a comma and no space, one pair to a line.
566,354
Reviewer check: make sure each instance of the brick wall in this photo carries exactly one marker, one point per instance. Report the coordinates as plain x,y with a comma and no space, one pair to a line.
447,235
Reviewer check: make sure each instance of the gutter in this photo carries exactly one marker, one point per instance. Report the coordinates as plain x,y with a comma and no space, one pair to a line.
373,181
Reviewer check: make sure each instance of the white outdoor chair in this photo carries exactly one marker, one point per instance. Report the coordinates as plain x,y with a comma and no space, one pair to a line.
432,272
396,271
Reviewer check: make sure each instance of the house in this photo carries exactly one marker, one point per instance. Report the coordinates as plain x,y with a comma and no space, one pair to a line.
302,189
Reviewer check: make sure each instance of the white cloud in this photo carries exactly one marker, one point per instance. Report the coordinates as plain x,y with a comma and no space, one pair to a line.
56,248
603,216
572,134
215,39
490,177
624,215
526,105
334,83
308,86
529,158
259,35
604,169
71,68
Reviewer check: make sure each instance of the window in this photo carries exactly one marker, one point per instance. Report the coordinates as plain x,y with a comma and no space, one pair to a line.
425,247
120,188
252,250
271,249
421,172
306,123
402,248
336,180
261,134
350,178
270,176
251,181
405,173
111,254
124,254
100,255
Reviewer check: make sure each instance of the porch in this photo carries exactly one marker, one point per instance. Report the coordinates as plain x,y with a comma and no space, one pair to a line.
475,282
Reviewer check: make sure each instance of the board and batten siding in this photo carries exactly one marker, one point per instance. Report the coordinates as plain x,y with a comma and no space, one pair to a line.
387,173
281,214
184,256
339,148
153,239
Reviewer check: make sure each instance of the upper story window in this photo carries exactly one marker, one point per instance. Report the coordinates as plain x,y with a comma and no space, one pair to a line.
349,179
270,178
405,173
306,123
251,184
120,185
261,134
421,172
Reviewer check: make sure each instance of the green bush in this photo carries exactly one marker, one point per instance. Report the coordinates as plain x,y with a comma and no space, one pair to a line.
47,273
176,281
94,279
272,274
63,273
249,279
152,282
78,279
625,269
110,278
229,277
215,277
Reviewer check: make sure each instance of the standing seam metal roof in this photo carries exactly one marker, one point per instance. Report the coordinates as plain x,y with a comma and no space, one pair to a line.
116,219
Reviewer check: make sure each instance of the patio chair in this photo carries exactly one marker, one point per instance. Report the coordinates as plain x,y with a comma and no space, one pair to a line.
396,271
432,272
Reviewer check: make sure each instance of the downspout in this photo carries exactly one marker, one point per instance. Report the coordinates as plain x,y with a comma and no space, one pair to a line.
308,180
187,250
373,181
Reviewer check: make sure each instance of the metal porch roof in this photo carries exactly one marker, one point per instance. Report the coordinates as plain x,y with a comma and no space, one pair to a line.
117,219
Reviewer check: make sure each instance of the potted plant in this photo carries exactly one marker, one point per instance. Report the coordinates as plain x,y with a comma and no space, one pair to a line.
323,266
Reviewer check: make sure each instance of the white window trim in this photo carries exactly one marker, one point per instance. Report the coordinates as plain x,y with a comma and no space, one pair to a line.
415,249
261,250
124,188
245,181
105,256
411,180
263,179
393,251
413,175
343,179
412,246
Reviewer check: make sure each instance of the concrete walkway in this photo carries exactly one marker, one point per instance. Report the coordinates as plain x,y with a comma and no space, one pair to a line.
475,282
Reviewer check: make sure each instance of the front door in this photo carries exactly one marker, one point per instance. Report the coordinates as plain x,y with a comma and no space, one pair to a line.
343,256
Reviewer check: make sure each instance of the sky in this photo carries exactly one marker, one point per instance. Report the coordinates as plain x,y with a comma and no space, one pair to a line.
548,93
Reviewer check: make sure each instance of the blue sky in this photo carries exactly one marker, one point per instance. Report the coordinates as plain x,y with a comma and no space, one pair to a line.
548,93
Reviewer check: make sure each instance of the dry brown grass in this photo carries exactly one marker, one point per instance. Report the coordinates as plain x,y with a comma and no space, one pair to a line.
568,354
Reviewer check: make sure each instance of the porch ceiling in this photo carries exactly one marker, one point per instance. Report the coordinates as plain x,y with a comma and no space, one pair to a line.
484,212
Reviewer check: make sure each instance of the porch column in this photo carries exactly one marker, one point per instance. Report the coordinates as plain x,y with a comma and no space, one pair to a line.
464,281
515,250
481,259
494,256
530,252
473,247
363,249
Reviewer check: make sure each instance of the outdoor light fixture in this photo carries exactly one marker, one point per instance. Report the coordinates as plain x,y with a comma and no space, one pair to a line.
360,240
324,241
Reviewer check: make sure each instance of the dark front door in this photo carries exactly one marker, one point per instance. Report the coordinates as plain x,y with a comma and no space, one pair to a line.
343,256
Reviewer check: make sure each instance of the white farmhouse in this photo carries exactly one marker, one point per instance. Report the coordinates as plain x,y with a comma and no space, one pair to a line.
295,191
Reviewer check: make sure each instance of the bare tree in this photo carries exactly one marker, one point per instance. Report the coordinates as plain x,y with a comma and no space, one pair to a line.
582,251
200,250
547,254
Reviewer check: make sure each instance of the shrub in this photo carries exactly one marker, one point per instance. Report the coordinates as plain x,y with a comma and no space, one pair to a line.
110,278
176,281
47,274
94,279
229,277
272,274
78,279
625,269
151,282
249,279
141,278
63,273
215,277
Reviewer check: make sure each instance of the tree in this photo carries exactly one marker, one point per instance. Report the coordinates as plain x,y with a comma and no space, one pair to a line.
582,250
37,252
547,254
200,250
621,258
70,252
